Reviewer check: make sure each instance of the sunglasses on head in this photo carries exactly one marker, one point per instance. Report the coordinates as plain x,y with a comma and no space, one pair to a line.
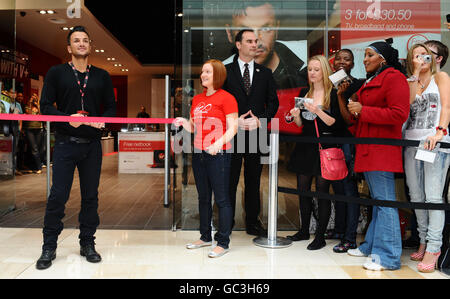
434,52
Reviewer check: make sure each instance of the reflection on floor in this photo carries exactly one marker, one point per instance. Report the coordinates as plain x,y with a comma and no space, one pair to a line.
162,254
126,201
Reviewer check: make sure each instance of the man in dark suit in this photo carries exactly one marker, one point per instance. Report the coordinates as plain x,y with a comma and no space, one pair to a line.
254,88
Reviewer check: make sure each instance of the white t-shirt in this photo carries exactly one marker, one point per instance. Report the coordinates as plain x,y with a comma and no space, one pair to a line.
425,114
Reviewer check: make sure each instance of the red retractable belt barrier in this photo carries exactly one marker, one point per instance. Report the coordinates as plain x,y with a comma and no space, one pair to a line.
112,120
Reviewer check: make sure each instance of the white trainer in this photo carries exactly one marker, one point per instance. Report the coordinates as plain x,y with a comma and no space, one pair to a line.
373,266
355,252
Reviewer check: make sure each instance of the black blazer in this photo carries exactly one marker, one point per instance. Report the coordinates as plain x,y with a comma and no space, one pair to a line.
262,98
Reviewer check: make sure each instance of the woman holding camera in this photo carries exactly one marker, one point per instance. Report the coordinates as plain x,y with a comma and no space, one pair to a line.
428,122
33,133
305,160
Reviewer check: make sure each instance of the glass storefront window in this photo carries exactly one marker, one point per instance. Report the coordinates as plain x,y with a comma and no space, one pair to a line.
289,32
8,102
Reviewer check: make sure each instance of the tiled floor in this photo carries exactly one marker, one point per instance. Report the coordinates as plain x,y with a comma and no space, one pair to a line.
162,254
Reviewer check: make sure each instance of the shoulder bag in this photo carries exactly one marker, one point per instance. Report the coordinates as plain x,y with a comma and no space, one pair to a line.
332,161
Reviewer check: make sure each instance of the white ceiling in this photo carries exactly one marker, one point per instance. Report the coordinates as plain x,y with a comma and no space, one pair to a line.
44,32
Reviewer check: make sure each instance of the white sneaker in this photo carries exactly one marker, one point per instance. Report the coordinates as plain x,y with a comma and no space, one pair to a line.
373,266
355,252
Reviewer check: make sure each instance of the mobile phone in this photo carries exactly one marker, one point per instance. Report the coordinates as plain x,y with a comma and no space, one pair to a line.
300,102
448,18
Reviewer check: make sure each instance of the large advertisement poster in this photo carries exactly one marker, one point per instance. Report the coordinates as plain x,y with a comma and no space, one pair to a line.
406,22
282,40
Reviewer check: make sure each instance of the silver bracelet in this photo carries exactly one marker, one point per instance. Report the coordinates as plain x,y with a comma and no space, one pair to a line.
412,79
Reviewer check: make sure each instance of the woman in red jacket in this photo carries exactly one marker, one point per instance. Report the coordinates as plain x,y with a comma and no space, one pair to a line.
381,110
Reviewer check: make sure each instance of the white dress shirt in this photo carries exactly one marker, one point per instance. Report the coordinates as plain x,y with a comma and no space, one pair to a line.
251,67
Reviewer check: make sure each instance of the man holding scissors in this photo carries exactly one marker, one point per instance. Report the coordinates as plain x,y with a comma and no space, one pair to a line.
78,89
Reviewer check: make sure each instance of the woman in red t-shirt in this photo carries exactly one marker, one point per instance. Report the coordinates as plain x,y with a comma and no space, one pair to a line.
213,119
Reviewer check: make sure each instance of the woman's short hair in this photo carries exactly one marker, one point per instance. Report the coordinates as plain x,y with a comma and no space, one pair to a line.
219,73
409,59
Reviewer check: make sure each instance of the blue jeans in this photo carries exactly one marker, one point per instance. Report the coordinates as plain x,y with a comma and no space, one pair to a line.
426,184
383,241
347,214
212,174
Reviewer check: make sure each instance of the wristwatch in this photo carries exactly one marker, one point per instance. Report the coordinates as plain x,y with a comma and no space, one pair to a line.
412,79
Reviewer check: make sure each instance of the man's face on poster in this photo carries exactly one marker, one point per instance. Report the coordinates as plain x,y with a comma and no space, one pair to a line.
262,20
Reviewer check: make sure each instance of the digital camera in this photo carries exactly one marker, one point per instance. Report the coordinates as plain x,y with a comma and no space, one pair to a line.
426,58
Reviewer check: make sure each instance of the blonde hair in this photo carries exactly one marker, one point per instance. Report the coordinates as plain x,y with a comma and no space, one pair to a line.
327,84
410,58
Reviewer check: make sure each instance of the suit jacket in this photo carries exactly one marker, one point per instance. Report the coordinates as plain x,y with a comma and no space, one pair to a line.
262,99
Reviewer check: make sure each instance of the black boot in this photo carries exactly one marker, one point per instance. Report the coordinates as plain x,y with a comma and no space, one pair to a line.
45,261
318,243
299,236
89,252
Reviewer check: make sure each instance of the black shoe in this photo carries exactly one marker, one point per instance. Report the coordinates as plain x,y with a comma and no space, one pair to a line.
256,229
89,252
411,243
344,246
317,244
332,235
299,236
45,261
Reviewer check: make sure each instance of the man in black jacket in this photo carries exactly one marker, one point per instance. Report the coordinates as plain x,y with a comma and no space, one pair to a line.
254,88
78,89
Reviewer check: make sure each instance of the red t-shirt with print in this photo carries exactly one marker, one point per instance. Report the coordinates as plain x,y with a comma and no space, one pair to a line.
209,116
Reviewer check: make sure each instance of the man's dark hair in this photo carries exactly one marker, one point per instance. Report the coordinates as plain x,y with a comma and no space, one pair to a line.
238,37
442,50
238,8
76,29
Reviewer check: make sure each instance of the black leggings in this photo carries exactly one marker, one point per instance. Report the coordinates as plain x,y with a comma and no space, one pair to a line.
304,183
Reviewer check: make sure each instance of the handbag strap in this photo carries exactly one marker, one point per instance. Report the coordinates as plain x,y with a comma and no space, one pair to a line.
317,131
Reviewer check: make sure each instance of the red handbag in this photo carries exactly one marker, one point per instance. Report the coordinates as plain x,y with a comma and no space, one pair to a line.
332,162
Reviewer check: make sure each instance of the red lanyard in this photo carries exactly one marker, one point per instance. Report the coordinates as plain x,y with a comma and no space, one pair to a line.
82,88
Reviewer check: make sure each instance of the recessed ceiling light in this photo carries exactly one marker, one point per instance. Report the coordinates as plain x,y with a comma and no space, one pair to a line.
50,12
42,12
58,21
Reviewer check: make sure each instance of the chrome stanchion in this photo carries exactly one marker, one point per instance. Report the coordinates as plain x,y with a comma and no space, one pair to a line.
272,241
167,147
48,158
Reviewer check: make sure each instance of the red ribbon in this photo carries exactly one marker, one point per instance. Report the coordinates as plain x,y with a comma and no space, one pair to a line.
88,119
